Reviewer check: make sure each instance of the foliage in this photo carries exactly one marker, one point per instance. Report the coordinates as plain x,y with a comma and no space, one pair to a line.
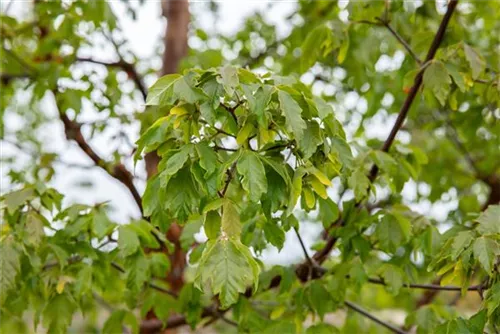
255,147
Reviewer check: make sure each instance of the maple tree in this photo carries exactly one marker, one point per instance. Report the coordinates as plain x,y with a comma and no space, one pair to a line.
245,140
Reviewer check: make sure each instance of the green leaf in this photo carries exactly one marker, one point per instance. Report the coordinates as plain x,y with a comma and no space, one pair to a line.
192,227
10,265
114,324
324,109
322,329
230,224
153,136
159,264
208,158
83,284
278,167
253,175
161,89
128,241
177,161
437,79
230,79
225,270
296,189
244,133
393,278
17,198
212,225
319,298
489,220
101,223
328,212
360,183
58,313
151,198
486,250
274,234
34,228
392,232
258,101
476,61
318,43
311,139
460,243
137,266
292,111
214,205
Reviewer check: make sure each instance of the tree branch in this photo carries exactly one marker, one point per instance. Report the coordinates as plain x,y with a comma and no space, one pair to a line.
125,66
370,316
438,38
433,286
117,171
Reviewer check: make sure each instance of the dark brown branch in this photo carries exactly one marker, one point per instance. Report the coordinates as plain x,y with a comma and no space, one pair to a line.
416,85
117,171
370,316
125,66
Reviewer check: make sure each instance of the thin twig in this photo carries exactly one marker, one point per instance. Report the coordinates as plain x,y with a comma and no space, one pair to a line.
373,318
400,40
303,247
